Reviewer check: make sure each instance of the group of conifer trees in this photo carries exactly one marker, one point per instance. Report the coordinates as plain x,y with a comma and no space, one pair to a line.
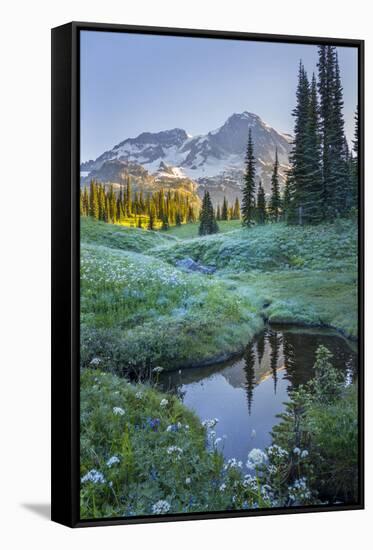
322,183
209,217
162,208
256,207
228,212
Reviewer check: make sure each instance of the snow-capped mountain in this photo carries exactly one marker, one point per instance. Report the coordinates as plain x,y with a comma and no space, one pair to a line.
215,160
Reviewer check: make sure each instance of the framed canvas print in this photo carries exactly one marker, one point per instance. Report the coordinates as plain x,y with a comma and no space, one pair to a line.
207,277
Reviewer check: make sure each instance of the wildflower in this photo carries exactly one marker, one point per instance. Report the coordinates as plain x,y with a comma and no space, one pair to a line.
256,457
118,411
250,482
138,395
112,460
222,487
210,423
304,454
94,476
164,403
217,441
174,427
161,507
296,451
175,451
233,463
95,362
152,423
188,481
275,451
158,370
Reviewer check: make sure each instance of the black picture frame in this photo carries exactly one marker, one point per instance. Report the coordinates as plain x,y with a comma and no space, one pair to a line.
65,269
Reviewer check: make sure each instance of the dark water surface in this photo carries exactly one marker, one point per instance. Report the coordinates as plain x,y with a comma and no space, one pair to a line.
246,394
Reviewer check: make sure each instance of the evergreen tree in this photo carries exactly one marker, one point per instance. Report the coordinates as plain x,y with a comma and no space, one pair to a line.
191,218
248,200
339,150
274,206
261,205
286,199
93,201
165,225
313,206
128,198
178,218
334,165
299,169
208,223
236,210
151,223
224,210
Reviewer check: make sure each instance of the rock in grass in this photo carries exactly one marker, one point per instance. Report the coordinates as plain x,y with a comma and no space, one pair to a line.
190,265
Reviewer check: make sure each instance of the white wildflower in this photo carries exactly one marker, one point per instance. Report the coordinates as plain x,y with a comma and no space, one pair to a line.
210,423
188,481
118,411
158,370
175,451
222,487
112,460
275,451
94,476
304,454
296,451
255,458
138,395
233,463
164,403
95,362
161,507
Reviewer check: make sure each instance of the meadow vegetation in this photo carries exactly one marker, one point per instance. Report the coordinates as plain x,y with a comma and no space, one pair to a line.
143,451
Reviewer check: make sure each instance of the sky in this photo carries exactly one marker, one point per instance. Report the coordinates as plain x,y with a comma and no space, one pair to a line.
131,83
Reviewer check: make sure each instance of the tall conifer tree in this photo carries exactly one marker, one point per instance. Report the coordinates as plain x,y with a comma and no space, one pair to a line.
261,205
248,199
275,200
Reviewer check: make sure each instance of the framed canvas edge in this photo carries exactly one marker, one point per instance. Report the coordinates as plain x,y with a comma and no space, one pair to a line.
65,270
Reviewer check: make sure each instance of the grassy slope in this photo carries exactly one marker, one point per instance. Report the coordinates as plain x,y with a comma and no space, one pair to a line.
305,275
138,308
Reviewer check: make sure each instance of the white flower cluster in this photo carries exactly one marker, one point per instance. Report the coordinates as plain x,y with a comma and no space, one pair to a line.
297,451
118,411
164,403
210,423
95,362
161,507
275,451
158,370
138,395
299,491
255,458
250,482
232,463
112,460
175,451
94,476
